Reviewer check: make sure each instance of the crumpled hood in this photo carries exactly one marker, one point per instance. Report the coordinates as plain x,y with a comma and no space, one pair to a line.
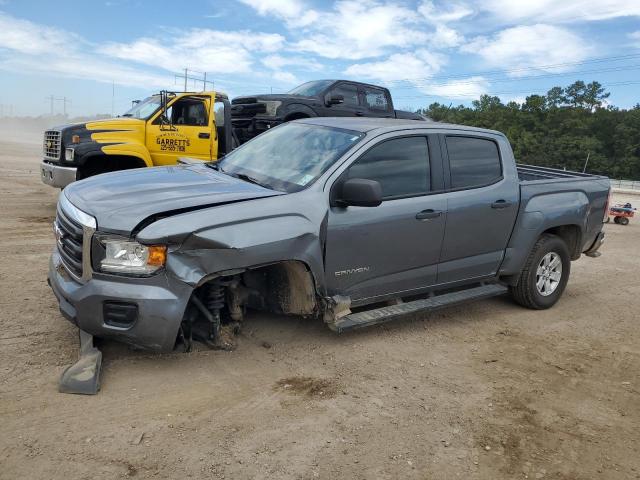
120,201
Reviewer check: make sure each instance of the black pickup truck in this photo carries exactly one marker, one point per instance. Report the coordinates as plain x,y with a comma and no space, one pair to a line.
252,115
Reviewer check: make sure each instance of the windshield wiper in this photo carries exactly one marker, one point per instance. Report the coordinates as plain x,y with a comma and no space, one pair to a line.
247,178
127,115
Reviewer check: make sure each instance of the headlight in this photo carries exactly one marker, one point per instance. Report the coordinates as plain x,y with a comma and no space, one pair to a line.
271,107
123,256
69,154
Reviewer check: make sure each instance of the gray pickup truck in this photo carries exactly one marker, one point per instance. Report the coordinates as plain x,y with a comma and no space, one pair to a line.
352,221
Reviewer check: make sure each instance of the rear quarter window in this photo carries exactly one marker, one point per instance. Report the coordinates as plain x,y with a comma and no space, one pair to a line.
473,162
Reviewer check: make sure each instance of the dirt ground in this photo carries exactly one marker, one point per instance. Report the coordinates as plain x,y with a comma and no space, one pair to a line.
485,391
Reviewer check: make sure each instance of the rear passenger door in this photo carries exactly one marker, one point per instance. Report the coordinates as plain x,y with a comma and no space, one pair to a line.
377,102
481,208
394,247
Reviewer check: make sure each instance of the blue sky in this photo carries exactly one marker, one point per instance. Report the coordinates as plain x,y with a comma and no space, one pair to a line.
423,50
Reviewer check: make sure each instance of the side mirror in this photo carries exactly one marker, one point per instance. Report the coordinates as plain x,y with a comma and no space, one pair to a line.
360,192
334,100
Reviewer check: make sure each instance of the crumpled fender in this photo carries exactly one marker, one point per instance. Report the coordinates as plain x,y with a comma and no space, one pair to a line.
230,238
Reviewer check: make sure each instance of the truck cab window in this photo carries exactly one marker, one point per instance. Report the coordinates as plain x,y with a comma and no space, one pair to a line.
375,99
401,166
348,91
473,162
190,112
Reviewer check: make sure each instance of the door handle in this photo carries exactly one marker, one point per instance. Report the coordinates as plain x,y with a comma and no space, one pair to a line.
428,214
498,204
204,135
359,114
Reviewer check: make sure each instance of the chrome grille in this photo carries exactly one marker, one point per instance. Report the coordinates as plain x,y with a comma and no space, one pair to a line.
52,145
69,238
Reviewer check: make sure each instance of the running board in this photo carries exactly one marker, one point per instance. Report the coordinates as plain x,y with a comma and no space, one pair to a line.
392,312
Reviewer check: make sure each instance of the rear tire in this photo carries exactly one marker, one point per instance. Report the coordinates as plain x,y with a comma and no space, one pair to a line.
624,221
617,220
545,274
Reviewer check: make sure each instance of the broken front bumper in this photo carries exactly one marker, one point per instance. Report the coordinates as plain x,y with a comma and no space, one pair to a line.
143,312
56,175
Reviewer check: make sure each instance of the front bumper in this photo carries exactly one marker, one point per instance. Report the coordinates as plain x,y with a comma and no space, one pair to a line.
248,127
160,300
56,175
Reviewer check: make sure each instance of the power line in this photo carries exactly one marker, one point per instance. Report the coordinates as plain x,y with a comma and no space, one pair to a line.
520,69
530,77
473,95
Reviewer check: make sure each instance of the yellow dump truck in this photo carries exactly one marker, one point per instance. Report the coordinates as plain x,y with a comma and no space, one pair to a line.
155,131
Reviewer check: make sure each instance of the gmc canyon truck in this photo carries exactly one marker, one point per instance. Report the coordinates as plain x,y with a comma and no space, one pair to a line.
252,115
352,221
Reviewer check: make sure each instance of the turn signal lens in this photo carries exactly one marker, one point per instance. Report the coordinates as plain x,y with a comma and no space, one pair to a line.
75,139
157,255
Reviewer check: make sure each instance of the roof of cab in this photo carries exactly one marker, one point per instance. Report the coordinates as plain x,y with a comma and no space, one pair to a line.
367,124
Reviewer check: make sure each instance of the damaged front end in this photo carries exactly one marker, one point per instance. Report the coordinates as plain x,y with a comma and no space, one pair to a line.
216,309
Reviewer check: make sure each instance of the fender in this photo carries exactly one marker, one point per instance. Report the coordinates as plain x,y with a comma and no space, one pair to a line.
208,242
542,213
298,108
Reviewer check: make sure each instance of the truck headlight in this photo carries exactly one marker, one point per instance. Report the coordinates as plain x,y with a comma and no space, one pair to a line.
271,106
124,256
69,153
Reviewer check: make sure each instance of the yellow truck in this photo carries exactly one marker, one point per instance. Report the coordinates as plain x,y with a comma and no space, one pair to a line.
155,131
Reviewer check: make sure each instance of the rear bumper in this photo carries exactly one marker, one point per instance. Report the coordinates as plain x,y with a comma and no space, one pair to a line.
593,249
159,303
56,175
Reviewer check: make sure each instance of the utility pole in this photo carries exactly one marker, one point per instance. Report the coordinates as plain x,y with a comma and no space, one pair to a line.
51,98
195,79
64,101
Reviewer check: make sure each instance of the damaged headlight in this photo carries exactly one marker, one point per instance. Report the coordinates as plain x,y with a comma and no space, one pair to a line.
124,256
271,107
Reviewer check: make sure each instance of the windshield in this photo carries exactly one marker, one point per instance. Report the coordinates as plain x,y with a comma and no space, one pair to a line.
144,109
290,157
311,89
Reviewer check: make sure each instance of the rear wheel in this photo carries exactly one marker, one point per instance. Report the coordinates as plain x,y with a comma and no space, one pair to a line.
617,220
545,274
624,221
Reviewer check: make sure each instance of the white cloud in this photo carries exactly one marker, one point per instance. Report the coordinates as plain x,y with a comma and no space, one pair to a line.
449,12
276,62
294,12
530,46
27,37
399,66
465,88
362,29
635,38
551,11
286,78
200,49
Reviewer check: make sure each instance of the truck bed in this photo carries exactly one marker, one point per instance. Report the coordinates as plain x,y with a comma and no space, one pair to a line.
532,173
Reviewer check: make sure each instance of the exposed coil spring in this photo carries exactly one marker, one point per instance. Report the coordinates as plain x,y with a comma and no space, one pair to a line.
215,299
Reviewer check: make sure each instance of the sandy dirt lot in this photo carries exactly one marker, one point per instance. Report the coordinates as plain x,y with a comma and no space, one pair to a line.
486,391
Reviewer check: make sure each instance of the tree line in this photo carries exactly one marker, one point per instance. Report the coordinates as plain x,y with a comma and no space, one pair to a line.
561,129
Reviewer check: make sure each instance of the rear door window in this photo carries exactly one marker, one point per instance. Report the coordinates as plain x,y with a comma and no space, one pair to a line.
473,162
401,166
375,99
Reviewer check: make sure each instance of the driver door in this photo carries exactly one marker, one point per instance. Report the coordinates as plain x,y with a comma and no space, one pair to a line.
186,129
352,101
394,247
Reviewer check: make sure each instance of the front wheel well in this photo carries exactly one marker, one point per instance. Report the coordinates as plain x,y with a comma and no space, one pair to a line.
295,116
108,163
